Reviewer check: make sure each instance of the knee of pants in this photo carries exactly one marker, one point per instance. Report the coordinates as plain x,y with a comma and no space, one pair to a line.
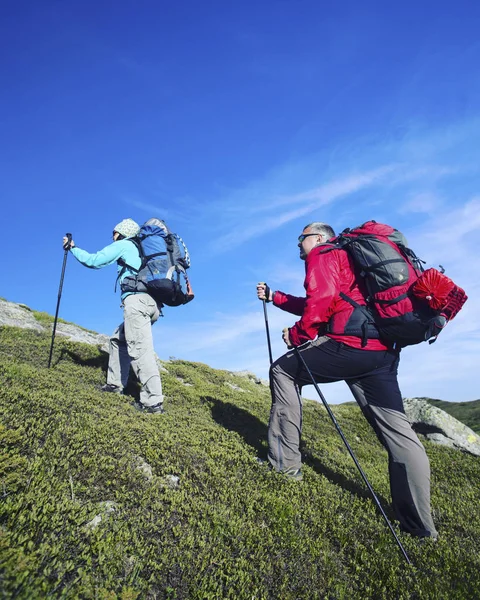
412,450
276,372
118,335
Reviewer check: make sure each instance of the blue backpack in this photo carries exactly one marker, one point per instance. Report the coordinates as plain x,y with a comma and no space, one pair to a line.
165,260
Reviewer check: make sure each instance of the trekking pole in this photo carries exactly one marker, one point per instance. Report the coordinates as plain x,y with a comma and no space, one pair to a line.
332,416
66,248
267,289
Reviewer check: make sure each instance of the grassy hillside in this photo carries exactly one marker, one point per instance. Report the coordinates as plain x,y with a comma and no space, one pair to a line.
466,412
231,528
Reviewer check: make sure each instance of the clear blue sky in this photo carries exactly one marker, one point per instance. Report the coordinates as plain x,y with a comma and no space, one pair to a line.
239,123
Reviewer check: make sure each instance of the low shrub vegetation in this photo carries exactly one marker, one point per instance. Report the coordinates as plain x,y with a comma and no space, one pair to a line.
92,507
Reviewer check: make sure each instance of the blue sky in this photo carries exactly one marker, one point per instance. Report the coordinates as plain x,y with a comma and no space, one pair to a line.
238,123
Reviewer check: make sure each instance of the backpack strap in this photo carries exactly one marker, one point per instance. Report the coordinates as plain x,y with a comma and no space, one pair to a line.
392,301
365,312
126,266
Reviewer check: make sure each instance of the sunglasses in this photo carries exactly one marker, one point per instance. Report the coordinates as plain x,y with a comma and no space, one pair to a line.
305,235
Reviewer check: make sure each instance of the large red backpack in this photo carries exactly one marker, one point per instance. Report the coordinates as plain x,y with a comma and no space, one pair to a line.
406,304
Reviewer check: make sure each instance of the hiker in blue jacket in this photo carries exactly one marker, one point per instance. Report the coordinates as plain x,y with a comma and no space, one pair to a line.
132,341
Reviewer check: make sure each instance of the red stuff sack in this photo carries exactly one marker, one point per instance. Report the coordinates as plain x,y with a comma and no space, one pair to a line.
440,293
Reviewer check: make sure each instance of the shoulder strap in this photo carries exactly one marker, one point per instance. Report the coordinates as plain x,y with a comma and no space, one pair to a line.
126,266
328,247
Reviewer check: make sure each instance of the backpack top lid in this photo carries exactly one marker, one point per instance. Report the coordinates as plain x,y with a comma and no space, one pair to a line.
154,227
376,229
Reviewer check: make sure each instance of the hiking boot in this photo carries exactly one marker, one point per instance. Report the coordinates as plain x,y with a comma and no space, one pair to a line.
295,474
155,409
112,389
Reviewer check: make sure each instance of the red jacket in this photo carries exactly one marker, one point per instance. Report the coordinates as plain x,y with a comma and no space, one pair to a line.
326,275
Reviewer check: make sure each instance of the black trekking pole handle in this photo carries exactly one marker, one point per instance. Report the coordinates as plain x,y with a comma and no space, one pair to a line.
267,329
66,248
347,445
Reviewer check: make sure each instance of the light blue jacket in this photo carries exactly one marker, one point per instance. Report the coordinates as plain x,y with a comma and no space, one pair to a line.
122,249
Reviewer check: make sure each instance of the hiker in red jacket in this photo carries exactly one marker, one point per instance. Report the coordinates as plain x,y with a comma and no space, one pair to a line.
370,371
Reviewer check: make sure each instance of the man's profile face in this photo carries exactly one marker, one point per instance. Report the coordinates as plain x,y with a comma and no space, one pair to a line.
307,241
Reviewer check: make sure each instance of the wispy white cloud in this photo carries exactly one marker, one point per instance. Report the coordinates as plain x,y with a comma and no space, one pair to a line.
407,175
458,223
333,190
174,211
305,203
423,202
152,209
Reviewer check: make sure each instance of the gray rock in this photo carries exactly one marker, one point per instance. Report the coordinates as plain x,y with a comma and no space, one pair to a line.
144,467
234,387
106,508
441,439
18,315
251,376
171,481
440,427
183,382
77,334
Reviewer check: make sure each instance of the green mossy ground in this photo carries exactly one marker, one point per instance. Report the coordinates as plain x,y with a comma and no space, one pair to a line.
46,319
231,529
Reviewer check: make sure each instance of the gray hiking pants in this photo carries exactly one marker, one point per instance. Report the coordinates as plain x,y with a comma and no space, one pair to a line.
132,344
372,378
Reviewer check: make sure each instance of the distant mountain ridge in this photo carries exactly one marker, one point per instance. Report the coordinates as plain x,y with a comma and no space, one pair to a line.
466,412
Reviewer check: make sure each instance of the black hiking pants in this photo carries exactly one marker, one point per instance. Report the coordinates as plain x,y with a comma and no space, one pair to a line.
372,378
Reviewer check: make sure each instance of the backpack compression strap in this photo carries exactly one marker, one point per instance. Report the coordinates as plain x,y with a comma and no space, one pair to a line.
364,310
126,266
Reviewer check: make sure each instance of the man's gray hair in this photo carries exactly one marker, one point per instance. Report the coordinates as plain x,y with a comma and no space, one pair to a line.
322,228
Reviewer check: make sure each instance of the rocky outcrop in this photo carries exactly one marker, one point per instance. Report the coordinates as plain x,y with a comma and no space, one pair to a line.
251,376
18,315
440,427
77,334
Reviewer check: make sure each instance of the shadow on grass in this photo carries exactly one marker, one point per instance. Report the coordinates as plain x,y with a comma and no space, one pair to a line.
101,362
233,418
254,432
359,489
97,362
